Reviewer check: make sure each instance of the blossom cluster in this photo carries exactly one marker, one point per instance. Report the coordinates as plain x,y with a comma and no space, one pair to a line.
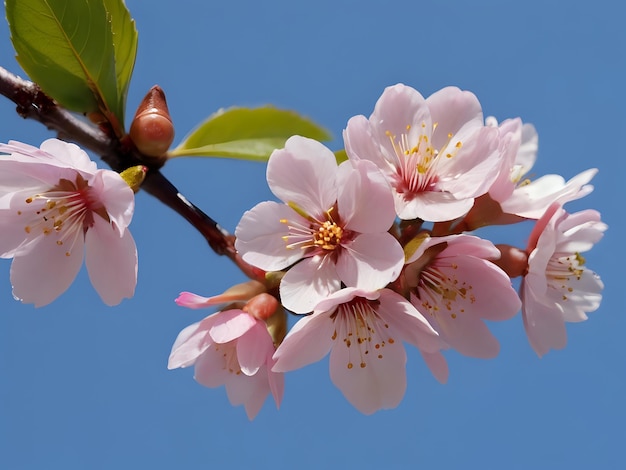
379,250
369,254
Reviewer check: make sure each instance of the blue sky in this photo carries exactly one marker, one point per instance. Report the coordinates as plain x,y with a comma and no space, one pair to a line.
86,386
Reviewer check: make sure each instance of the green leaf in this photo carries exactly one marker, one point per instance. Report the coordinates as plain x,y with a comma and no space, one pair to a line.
71,48
246,133
341,156
125,46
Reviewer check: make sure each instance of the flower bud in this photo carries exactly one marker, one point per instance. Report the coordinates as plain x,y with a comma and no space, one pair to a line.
261,306
512,261
152,130
134,176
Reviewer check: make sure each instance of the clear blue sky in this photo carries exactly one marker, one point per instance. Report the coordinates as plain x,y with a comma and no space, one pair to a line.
86,386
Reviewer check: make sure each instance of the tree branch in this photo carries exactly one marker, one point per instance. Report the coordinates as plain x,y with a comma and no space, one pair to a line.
32,103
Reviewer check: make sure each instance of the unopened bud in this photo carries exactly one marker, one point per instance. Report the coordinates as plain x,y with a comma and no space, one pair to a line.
261,306
512,261
134,176
152,130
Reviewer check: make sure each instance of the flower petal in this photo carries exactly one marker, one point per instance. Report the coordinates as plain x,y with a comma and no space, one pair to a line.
307,342
260,236
308,282
111,262
190,343
370,261
47,270
304,173
379,385
230,325
254,348
365,201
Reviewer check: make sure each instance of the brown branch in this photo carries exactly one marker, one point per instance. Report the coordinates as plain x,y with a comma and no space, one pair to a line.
32,103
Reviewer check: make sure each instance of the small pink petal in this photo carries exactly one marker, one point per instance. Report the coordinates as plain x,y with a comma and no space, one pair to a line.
230,325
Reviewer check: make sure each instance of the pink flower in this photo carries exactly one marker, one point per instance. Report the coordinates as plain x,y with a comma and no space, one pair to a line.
455,286
558,288
363,332
231,348
333,225
56,207
437,153
520,196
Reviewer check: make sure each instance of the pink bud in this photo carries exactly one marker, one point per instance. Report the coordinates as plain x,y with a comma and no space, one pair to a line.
261,306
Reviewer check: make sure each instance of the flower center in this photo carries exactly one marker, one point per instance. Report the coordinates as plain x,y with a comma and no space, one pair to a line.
65,210
323,235
561,273
328,235
417,160
440,292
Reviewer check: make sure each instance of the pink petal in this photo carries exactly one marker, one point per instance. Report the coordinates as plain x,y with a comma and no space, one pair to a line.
432,206
365,200
454,110
307,342
190,343
398,107
544,324
304,173
437,365
211,369
371,261
46,271
405,321
230,325
380,384
250,391
260,236
477,165
360,143
69,154
308,282
115,195
191,300
111,262
254,348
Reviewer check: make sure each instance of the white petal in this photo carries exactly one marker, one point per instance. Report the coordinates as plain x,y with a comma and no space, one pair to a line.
308,282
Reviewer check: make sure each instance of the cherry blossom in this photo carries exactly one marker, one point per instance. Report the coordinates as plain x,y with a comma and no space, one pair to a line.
333,224
517,194
364,332
436,153
56,207
455,286
231,348
558,288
